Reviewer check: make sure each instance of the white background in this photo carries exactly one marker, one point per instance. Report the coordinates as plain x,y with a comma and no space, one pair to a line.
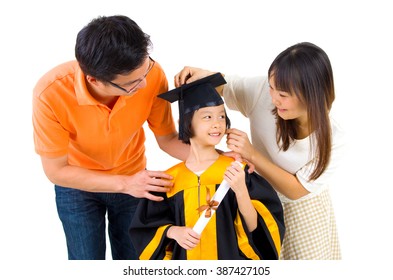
234,37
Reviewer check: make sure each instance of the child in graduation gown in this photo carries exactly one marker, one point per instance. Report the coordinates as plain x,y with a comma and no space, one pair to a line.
246,224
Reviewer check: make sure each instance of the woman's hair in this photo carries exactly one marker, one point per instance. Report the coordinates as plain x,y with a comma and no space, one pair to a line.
187,127
305,70
109,46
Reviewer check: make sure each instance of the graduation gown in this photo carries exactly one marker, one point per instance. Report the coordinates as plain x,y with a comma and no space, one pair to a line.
226,235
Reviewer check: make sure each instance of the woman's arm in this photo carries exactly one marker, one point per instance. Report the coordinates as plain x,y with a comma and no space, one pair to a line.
283,181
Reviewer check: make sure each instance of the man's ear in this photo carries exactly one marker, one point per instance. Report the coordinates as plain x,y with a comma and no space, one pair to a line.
91,80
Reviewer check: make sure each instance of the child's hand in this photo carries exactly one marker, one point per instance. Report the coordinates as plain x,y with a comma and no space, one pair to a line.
186,237
235,177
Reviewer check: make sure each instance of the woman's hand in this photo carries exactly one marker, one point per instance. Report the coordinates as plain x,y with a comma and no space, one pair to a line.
238,142
190,74
186,237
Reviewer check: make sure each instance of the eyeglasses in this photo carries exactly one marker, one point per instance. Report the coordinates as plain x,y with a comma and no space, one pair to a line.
136,82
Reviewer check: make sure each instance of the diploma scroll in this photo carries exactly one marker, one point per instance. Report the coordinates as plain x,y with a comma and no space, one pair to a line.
218,196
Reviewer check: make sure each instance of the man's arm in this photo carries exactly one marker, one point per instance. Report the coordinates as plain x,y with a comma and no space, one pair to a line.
173,146
138,185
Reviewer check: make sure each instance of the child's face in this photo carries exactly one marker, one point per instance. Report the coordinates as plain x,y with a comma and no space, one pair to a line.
208,125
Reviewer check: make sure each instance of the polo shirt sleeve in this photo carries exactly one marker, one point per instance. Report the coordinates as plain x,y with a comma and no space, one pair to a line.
50,138
160,120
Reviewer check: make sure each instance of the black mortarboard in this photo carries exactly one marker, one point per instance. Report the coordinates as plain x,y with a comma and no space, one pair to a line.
195,95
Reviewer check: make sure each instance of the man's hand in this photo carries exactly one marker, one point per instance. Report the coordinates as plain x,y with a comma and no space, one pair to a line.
139,185
144,182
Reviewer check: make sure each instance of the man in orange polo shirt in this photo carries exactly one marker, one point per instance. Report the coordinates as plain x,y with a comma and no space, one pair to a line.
88,116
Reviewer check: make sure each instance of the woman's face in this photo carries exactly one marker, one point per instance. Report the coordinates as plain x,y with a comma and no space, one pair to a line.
209,125
289,106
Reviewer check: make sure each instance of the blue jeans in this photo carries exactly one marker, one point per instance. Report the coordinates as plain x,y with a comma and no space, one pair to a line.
83,217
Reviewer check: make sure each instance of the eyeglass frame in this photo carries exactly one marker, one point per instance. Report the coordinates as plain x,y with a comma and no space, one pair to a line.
138,81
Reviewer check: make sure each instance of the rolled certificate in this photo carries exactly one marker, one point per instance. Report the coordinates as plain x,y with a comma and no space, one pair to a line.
217,197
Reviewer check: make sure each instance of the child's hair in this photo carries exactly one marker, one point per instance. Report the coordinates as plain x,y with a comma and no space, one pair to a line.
187,129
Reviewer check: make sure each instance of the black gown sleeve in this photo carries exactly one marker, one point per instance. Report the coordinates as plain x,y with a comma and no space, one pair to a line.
268,236
149,226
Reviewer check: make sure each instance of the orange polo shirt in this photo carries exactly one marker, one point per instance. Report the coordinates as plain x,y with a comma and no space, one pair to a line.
68,120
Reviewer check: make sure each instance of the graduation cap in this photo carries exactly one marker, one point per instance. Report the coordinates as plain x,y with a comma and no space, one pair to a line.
195,95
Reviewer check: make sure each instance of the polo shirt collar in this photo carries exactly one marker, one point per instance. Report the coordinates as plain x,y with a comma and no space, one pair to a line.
83,95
